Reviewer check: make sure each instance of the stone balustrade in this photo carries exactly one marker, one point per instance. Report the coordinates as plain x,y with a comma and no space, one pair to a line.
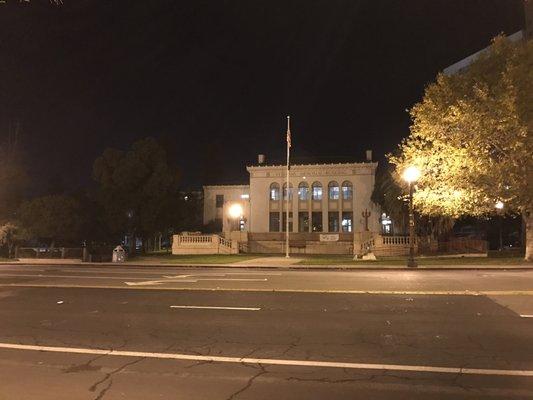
203,244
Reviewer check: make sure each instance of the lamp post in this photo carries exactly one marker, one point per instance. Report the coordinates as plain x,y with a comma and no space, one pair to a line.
499,206
235,212
411,175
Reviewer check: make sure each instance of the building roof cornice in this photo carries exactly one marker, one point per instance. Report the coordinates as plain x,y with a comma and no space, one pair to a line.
302,166
226,186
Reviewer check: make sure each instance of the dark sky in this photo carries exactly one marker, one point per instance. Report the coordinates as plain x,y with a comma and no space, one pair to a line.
214,80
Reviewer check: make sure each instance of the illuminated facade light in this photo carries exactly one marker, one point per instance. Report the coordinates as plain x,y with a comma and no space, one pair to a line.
235,211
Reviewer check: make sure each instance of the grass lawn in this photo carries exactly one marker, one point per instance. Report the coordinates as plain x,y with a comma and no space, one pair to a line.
166,258
422,261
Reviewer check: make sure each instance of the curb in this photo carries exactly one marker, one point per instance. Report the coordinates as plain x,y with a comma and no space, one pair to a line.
343,268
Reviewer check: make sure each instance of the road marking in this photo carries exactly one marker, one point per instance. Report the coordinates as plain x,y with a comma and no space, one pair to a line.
220,308
159,282
526,315
274,290
271,361
234,279
67,276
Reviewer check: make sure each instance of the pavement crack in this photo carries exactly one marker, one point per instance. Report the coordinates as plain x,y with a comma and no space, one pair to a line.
249,383
104,390
108,377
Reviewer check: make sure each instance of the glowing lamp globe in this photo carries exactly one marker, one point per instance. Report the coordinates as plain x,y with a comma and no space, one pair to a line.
235,211
411,174
499,205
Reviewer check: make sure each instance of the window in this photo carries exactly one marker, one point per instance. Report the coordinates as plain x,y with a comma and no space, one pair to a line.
274,192
274,222
303,191
285,191
346,223
386,224
284,225
219,200
303,221
333,222
317,191
333,190
347,190
316,219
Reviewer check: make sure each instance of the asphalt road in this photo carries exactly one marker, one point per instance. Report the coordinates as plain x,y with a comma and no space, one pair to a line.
164,333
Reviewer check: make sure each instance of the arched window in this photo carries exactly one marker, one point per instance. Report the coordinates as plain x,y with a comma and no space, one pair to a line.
303,191
285,191
347,190
274,191
317,191
333,190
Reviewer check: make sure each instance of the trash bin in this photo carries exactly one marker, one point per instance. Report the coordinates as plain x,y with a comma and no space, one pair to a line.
119,254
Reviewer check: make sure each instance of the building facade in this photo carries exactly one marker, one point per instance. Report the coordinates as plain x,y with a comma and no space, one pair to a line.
322,198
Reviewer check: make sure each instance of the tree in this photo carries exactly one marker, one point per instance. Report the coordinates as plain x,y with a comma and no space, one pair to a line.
137,189
13,176
57,218
389,192
9,234
470,137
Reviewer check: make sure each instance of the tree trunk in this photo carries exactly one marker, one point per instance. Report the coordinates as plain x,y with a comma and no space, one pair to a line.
528,218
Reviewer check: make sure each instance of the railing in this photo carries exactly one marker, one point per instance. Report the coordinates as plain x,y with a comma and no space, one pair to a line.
47,252
201,239
225,242
203,244
299,236
396,240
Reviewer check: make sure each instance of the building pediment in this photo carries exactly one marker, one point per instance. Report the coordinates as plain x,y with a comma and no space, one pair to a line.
276,171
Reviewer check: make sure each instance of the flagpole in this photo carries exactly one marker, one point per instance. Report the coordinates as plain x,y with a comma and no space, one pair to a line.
288,188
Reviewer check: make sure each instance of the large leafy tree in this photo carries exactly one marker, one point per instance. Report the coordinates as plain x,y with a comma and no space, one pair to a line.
57,218
13,177
471,138
389,193
137,189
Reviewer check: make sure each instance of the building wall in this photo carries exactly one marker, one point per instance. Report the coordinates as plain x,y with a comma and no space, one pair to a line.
231,193
361,176
465,62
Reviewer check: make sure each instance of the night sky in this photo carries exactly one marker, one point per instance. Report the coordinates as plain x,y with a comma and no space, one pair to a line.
214,80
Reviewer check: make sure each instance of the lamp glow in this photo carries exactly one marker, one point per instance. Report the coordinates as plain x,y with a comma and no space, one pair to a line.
499,205
411,174
235,211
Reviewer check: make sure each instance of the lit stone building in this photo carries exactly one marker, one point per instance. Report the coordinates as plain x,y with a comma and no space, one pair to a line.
327,204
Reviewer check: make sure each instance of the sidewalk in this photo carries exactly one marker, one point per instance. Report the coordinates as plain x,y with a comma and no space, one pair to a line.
273,263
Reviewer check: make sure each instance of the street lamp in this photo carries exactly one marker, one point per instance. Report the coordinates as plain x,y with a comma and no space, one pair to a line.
499,206
411,175
235,210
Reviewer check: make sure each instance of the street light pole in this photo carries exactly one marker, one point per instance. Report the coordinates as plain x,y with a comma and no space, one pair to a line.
411,260
411,175
499,206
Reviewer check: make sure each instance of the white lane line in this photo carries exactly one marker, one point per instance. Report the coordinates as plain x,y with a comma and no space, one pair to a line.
271,361
526,315
275,290
231,279
159,282
72,276
255,273
220,308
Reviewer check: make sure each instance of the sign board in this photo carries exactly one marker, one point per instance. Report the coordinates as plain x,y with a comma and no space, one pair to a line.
331,237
